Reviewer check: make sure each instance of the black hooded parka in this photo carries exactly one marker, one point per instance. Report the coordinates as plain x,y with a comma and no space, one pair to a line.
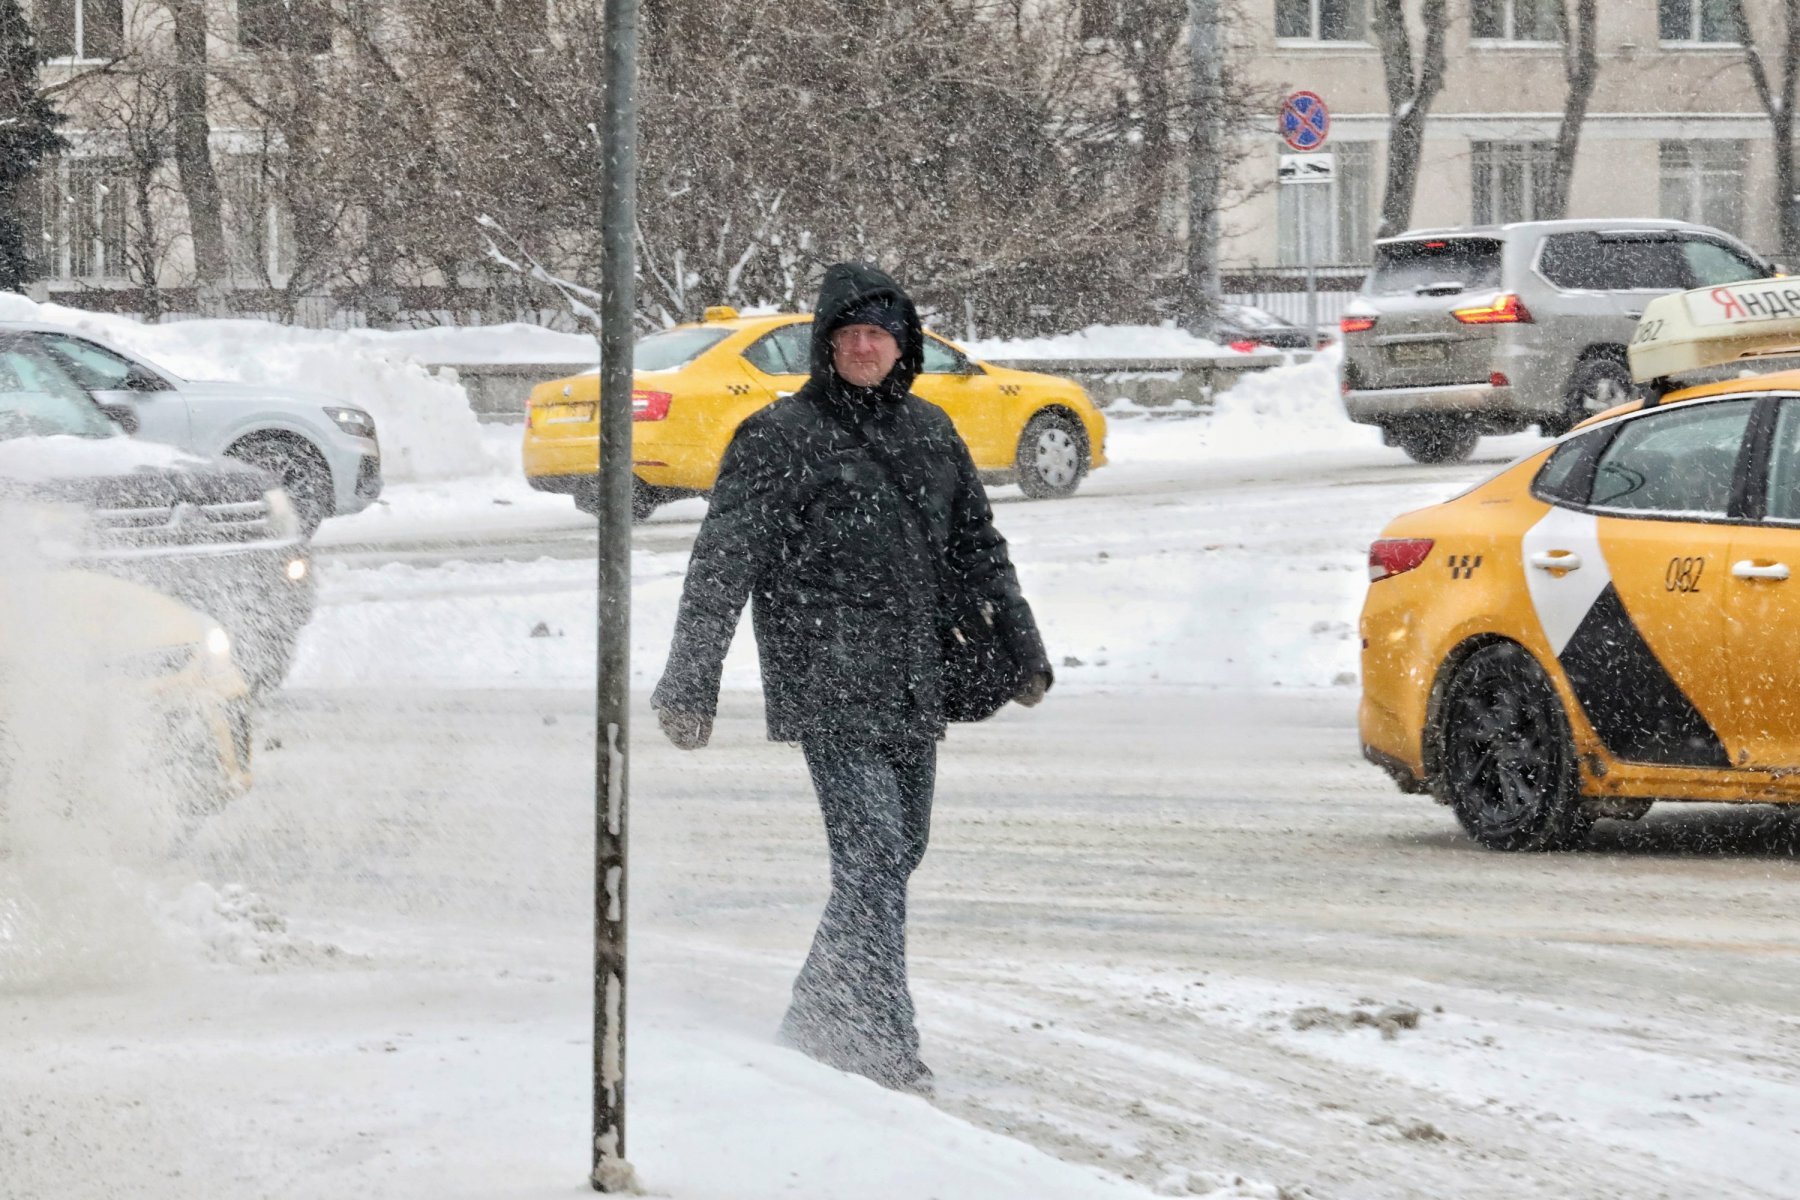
840,548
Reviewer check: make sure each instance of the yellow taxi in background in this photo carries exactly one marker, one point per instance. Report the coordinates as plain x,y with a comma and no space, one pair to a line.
696,383
1610,621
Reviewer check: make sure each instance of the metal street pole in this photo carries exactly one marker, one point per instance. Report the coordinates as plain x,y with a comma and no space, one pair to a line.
1205,163
618,295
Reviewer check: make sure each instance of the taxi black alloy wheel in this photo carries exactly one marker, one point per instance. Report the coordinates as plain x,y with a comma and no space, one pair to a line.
1506,762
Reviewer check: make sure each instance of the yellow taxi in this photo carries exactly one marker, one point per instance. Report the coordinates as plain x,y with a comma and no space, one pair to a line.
1612,620
696,383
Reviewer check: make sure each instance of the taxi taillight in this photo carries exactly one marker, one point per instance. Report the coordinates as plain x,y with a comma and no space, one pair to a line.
1396,556
1507,309
1356,324
650,406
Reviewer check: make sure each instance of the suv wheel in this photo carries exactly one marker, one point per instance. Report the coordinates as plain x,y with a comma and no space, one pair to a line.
1597,385
301,470
1435,441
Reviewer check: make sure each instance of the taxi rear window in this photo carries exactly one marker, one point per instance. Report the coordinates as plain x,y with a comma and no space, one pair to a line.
674,348
1404,268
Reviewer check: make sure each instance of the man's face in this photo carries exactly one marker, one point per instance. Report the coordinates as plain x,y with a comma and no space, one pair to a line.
863,354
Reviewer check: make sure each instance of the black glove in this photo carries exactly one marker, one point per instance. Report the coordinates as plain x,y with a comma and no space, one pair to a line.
1034,690
689,731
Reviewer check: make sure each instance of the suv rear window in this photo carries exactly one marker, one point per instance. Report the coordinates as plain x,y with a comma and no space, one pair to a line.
1402,268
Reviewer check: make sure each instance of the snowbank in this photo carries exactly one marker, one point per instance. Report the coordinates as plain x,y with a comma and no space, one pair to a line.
1267,414
515,343
428,431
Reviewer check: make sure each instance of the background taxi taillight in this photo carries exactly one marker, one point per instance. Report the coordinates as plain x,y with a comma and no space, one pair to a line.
1396,556
650,406
1506,309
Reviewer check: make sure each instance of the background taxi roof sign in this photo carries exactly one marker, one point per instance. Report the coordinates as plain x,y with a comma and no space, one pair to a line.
1706,327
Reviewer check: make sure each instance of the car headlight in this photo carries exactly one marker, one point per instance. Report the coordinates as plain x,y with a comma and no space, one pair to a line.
215,663
353,421
284,520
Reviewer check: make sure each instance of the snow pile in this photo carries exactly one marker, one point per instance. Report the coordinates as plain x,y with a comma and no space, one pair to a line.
236,926
1103,341
1266,414
514,343
428,431
1297,406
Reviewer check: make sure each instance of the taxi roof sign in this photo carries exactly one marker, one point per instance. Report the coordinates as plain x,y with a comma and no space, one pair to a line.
1710,326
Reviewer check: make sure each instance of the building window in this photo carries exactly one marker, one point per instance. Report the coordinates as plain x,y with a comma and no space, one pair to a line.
83,228
1703,182
80,29
1339,216
1322,20
1517,20
1511,180
257,225
1694,21
296,26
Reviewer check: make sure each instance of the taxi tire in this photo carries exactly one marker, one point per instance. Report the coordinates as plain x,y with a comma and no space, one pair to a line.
1506,761
1060,437
1435,441
645,498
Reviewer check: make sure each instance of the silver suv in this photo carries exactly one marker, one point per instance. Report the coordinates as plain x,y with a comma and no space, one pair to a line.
1493,329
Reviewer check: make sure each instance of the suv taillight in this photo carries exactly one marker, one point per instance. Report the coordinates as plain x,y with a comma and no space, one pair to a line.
1356,324
650,406
1396,556
1506,309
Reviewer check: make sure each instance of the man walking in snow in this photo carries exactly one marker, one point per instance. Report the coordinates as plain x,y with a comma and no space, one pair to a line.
839,509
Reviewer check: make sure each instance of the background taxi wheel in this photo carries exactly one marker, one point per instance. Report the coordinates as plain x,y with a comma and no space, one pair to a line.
1435,441
1052,457
644,498
1506,762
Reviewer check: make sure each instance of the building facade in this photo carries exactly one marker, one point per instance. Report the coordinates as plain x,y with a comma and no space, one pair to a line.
1674,127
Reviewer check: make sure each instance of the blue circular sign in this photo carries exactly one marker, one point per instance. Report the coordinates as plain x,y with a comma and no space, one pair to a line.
1305,121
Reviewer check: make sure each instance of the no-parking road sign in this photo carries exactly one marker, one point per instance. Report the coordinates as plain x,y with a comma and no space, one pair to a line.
1305,121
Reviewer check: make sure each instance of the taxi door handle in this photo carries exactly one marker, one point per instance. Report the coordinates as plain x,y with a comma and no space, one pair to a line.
1556,560
1750,569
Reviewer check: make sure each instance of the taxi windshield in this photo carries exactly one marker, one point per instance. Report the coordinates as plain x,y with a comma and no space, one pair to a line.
37,399
674,348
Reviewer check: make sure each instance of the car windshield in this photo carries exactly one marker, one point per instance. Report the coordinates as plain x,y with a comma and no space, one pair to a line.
1405,268
38,399
1245,317
674,348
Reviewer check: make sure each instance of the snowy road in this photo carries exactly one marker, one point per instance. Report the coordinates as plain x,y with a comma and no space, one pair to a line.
1164,922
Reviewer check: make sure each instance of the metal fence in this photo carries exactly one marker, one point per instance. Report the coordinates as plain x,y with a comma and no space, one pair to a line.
1282,290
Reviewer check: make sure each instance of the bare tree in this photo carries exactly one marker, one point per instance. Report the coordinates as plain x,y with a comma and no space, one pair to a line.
193,153
1412,86
1581,70
1777,100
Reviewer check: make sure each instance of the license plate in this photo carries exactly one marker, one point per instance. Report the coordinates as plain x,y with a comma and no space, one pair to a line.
567,414
1418,354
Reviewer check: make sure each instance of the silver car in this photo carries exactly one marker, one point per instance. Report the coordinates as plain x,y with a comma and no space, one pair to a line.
1463,332
324,453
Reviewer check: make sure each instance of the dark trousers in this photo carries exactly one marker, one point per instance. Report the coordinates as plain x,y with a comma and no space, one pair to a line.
851,1005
